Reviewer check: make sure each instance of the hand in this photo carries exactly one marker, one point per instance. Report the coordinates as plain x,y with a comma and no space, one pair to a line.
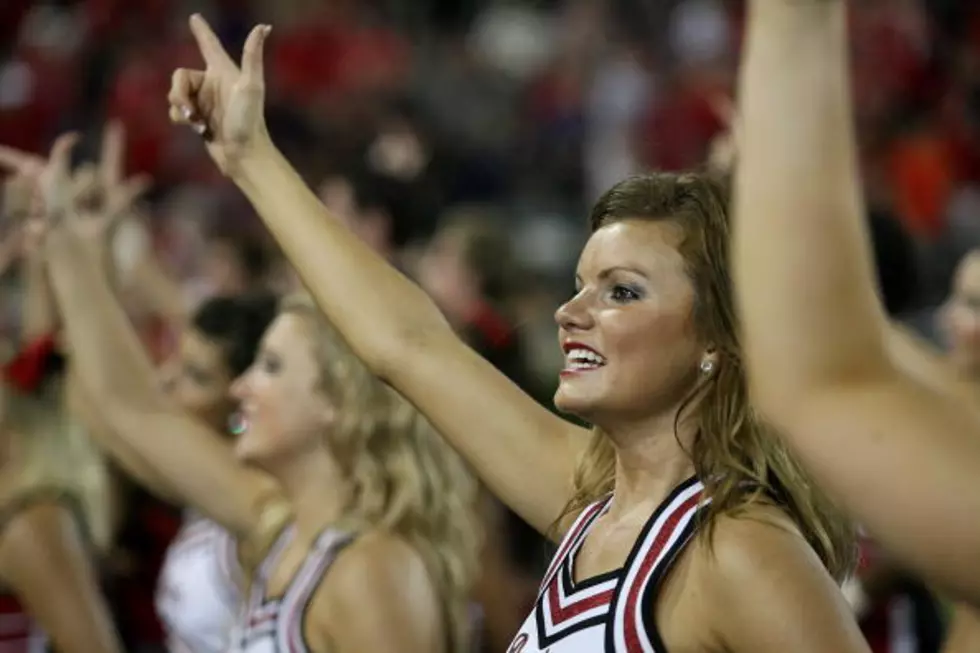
222,102
93,198
103,195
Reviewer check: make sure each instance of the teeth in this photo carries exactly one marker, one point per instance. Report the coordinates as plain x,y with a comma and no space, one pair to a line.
584,359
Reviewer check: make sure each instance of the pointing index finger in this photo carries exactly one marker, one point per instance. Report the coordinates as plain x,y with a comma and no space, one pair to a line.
207,42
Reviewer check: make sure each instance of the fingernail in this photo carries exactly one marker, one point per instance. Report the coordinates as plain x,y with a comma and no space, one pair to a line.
199,127
187,112
268,28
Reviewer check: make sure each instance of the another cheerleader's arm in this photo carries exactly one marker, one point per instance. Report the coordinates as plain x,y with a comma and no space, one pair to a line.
86,407
378,596
197,463
44,562
901,456
765,590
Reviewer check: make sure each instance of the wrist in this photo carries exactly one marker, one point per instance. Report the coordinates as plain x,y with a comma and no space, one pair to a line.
254,162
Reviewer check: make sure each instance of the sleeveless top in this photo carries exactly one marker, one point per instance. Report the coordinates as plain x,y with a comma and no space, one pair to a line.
198,591
19,631
611,612
275,624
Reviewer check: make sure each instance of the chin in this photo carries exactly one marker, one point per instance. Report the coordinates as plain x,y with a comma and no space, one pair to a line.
250,449
579,407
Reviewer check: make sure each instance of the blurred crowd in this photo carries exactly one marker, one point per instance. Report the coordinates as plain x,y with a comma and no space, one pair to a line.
465,141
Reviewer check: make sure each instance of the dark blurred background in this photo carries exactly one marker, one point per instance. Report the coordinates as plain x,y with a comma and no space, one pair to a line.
465,140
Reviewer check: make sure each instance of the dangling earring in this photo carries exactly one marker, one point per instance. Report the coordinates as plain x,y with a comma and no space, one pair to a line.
707,367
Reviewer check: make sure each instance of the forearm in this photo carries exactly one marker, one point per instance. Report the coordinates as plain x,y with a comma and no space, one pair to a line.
39,314
802,258
120,448
376,308
105,350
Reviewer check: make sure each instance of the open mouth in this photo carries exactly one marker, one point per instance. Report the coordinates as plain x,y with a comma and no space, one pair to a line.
237,423
579,358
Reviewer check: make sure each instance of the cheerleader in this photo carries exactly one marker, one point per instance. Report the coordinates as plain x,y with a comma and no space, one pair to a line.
352,522
686,526
199,586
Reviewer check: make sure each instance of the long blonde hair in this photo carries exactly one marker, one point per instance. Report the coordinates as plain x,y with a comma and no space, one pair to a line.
405,478
737,457
46,450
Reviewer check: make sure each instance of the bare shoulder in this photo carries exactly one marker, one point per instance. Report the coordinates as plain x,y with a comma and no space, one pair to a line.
37,528
767,589
378,560
759,535
378,595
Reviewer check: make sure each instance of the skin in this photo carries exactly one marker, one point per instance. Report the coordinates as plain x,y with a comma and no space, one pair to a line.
640,321
817,342
43,560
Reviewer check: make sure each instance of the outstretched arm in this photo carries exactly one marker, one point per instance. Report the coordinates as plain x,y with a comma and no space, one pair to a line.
197,463
524,453
901,456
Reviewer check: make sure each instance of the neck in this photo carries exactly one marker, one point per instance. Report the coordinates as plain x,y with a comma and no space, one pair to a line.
650,462
316,490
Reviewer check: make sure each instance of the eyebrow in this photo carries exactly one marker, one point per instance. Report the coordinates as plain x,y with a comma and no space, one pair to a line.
605,274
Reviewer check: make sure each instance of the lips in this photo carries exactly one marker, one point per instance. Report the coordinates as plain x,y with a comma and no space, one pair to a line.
580,357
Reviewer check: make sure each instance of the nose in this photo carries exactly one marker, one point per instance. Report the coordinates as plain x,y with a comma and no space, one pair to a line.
239,387
574,315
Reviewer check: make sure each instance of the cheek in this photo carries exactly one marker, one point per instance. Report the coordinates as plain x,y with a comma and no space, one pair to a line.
652,337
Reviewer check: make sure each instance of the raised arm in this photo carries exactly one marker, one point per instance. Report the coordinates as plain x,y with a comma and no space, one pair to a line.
523,453
197,463
104,182
901,456
44,561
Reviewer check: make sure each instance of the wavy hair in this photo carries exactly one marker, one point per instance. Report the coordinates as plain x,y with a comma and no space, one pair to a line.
737,457
405,478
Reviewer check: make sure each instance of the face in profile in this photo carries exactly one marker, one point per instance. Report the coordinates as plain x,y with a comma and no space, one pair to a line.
628,337
960,317
284,412
197,378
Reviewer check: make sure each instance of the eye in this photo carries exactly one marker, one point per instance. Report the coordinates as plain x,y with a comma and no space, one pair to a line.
271,363
622,294
197,375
